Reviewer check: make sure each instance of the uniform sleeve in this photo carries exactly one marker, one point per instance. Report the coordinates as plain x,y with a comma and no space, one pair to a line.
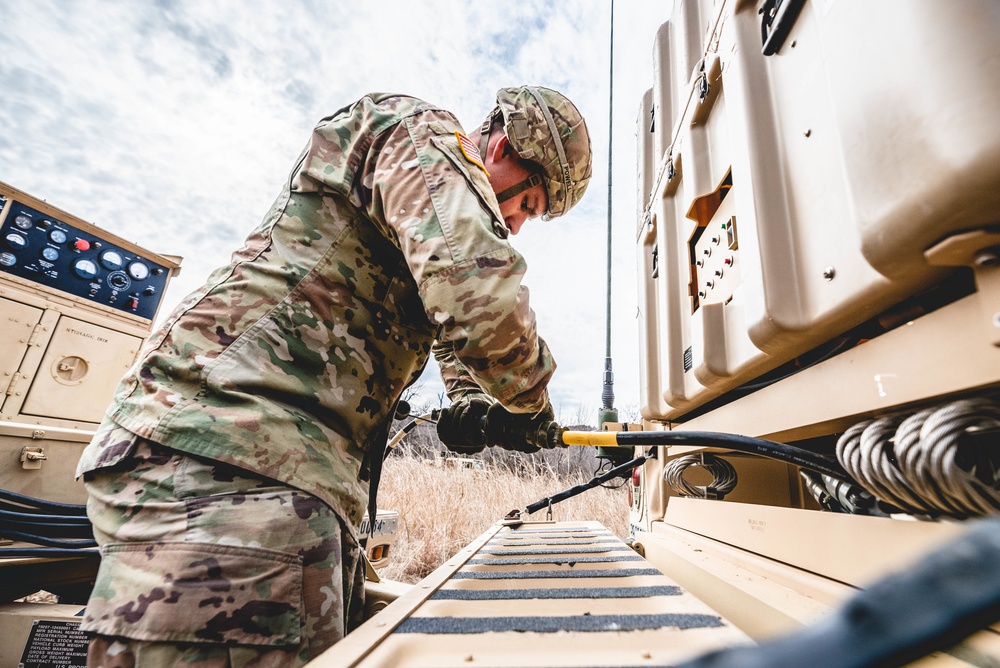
443,212
458,382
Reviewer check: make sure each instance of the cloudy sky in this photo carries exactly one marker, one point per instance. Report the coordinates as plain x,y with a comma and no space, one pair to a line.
173,124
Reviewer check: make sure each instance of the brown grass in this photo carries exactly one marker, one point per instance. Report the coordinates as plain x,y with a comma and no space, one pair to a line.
442,509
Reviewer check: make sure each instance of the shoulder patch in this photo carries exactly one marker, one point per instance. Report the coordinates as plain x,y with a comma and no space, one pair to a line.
470,151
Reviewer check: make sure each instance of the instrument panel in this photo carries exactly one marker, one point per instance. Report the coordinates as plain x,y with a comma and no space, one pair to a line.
47,250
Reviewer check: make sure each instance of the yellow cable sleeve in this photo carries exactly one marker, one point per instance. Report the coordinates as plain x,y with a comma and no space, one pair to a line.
602,439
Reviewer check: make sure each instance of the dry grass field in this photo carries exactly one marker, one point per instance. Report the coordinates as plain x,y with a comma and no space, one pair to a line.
443,508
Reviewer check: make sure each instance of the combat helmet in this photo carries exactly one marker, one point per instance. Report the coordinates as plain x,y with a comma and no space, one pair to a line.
533,117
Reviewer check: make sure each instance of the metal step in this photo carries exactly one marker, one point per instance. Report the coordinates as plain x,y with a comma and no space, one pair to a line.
539,594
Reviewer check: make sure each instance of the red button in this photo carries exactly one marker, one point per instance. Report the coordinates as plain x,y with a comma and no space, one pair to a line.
133,303
81,245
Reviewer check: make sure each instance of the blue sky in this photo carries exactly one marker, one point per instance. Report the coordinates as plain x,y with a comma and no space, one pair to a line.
173,124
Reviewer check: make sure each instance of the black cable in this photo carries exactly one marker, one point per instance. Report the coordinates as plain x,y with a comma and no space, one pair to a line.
41,504
590,484
53,552
8,515
604,462
46,541
47,523
49,530
757,446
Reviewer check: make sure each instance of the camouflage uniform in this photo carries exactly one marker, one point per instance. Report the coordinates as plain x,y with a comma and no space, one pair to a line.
213,566
287,363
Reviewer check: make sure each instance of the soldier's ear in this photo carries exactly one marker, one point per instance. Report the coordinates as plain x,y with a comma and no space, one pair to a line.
500,149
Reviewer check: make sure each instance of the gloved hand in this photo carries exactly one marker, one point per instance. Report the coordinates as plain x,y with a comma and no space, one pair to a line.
523,432
460,426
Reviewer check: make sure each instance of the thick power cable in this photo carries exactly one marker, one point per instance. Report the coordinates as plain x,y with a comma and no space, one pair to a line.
590,484
32,504
756,446
59,527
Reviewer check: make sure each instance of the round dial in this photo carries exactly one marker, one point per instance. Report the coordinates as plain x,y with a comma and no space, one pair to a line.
15,240
138,271
7,260
50,253
57,237
23,222
85,268
112,260
118,280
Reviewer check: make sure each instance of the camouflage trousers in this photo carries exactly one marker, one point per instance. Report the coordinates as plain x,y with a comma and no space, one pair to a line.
205,565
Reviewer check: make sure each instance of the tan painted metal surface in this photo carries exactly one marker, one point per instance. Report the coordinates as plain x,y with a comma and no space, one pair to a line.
788,200
853,549
770,571
941,354
539,594
61,357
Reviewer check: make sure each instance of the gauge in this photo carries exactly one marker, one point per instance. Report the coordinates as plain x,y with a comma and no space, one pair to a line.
57,237
138,271
85,269
118,280
24,222
16,241
50,253
7,260
112,260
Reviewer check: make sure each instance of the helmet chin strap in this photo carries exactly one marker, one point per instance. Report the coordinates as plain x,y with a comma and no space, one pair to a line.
484,142
517,189
484,134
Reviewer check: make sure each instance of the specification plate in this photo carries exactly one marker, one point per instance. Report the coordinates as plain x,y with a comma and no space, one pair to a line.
53,644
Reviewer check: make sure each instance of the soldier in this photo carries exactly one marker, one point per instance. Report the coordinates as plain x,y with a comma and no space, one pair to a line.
227,484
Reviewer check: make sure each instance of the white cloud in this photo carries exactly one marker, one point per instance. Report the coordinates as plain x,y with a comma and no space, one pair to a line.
173,124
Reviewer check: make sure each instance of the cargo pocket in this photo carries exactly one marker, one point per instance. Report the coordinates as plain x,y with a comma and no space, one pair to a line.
197,592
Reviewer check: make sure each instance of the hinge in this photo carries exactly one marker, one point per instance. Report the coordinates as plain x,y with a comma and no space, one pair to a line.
13,382
34,334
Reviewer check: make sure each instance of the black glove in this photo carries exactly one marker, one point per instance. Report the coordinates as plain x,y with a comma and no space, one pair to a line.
460,426
523,432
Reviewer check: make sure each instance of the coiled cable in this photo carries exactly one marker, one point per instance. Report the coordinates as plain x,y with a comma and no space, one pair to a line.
938,461
724,477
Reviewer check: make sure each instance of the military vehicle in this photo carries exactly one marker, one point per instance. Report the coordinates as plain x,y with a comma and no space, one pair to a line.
818,244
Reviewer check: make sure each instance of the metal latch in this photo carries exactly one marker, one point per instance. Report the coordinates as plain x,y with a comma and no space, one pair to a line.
777,19
32,457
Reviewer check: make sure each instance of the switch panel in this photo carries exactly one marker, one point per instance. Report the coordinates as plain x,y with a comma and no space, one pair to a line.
57,254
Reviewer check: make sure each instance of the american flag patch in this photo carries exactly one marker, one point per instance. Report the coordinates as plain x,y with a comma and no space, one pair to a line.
470,151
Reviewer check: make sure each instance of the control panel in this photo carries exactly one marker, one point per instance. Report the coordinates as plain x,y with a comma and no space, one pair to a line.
715,275
48,250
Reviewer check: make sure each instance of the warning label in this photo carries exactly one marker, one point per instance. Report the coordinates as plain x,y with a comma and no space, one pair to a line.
54,644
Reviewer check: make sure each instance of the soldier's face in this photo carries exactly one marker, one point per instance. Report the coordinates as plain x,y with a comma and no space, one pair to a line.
507,170
524,206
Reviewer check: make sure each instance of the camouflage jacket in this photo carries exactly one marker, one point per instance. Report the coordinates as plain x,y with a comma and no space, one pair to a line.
289,360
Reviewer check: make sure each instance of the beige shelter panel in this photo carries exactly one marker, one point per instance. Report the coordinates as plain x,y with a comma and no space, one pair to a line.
17,323
80,369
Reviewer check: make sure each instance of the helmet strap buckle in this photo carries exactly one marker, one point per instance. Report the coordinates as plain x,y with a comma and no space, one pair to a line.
517,189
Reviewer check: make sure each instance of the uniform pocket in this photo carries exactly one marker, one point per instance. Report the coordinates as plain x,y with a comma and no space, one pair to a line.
197,592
